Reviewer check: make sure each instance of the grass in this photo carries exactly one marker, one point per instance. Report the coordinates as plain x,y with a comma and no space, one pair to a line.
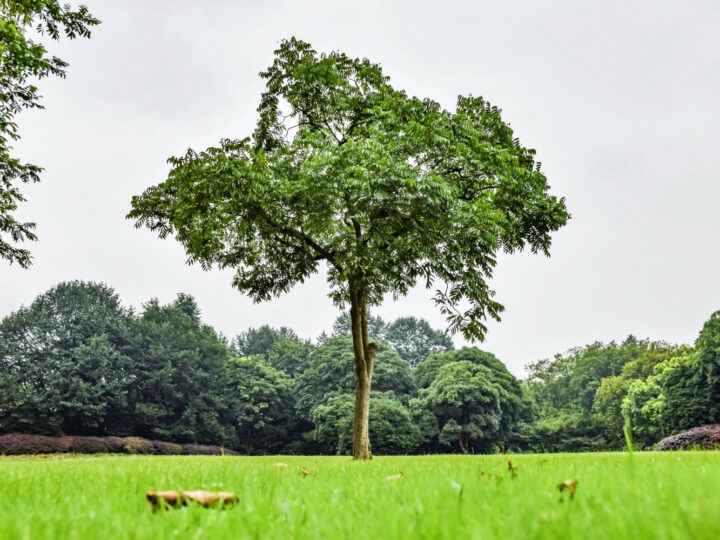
643,495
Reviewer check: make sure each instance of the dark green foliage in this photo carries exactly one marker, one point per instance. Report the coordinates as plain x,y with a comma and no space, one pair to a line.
64,364
570,381
708,357
384,187
391,427
263,406
564,391
22,61
377,327
290,356
331,372
254,341
179,372
414,339
476,401
563,432
75,362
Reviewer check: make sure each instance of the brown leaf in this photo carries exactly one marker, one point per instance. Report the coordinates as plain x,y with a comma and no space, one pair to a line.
306,472
512,467
173,499
570,485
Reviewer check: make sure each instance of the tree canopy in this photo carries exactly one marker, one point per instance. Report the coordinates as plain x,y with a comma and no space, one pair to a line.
384,188
22,60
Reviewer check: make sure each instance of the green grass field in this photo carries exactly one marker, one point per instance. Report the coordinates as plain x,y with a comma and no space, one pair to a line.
645,495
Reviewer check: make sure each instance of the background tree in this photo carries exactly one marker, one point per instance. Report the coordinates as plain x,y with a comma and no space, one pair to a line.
21,61
254,341
414,339
611,403
391,426
290,356
448,397
467,405
384,188
377,327
64,365
330,372
180,376
262,405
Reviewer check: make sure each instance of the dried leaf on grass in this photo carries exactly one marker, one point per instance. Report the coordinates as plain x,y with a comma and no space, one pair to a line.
569,485
513,468
306,472
395,477
173,499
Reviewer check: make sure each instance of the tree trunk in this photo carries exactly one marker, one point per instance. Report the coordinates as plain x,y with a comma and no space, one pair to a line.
364,351
462,445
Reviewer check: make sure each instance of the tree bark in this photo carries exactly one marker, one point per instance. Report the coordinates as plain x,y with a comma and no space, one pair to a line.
364,351
460,440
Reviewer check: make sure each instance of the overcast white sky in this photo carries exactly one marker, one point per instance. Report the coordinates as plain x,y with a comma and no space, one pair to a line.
620,99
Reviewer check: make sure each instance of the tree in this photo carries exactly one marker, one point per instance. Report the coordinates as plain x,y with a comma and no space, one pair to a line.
391,427
610,397
22,60
255,341
383,188
64,364
437,382
377,327
708,351
330,372
290,356
180,389
467,404
262,404
414,339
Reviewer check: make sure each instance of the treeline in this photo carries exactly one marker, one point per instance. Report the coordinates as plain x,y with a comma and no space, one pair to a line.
587,398
76,362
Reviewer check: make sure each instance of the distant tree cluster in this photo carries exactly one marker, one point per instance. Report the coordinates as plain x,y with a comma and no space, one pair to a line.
584,398
76,362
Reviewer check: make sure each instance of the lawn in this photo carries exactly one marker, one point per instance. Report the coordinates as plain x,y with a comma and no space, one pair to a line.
644,495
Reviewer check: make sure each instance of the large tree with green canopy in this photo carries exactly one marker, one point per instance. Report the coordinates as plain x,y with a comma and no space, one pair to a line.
384,188
23,60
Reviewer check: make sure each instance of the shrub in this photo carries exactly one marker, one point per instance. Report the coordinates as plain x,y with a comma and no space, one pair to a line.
88,445
167,448
138,445
19,443
115,445
205,450
704,437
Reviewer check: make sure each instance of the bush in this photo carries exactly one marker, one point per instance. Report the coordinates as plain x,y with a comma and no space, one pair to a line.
19,443
138,445
115,445
205,450
703,437
167,449
87,445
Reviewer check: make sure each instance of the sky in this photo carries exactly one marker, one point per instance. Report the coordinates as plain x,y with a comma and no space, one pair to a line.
619,98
